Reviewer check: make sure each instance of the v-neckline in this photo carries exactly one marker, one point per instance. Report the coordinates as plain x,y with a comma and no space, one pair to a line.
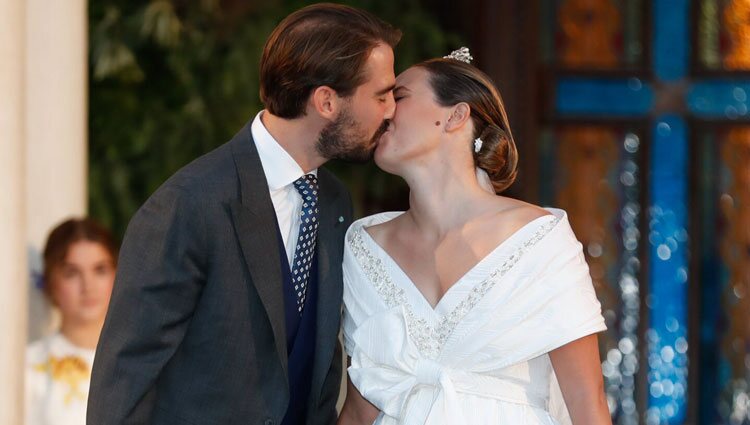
412,287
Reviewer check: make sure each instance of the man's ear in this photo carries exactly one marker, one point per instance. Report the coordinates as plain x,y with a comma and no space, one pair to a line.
325,101
459,116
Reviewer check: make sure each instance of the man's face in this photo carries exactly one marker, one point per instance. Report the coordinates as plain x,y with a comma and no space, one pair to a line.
354,134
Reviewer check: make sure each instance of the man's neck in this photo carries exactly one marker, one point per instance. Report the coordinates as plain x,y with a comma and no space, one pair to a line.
297,137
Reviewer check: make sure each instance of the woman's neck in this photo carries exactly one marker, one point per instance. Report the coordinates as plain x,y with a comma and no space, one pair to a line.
444,196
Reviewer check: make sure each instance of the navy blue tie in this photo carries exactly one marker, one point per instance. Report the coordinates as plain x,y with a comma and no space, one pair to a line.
307,186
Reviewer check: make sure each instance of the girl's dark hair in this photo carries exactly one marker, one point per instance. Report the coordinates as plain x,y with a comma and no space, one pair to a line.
454,82
66,234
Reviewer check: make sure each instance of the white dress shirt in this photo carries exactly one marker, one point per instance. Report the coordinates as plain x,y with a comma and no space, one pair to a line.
281,171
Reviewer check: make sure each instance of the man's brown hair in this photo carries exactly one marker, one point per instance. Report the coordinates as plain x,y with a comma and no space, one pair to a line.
320,45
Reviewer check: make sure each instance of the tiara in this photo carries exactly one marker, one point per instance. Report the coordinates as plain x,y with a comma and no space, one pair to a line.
461,54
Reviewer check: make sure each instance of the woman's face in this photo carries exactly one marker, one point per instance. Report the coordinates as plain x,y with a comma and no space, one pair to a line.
416,125
81,286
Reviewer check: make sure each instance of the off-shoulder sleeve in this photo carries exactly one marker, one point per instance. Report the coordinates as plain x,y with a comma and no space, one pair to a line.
545,300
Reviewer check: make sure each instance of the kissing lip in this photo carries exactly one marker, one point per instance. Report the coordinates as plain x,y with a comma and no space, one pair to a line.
381,131
387,128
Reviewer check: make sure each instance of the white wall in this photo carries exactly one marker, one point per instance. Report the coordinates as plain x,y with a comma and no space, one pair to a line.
13,270
56,129
43,146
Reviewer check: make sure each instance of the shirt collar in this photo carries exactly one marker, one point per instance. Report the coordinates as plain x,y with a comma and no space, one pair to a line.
278,166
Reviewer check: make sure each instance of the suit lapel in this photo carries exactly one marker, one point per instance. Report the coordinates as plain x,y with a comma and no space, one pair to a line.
329,289
255,225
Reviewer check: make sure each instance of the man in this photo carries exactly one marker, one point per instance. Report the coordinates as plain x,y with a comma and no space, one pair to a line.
226,306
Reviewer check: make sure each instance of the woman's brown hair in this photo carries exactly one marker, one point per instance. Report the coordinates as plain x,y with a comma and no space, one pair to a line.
66,234
319,45
454,82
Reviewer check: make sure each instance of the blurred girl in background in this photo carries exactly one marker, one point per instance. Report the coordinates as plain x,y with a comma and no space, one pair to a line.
80,259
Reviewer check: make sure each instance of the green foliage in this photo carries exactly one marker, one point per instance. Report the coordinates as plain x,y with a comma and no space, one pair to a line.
171,80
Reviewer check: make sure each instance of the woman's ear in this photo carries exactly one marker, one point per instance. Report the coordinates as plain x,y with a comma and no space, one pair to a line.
459,116
325,102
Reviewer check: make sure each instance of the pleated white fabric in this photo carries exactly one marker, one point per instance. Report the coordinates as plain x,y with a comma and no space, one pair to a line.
480,356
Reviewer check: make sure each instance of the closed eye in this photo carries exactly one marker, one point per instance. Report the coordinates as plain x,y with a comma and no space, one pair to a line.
399,93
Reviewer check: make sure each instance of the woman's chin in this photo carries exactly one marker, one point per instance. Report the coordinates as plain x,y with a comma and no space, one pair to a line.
387,154
381,157
377,156
380,147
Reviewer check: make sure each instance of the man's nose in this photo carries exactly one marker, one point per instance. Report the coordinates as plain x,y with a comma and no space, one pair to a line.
391,109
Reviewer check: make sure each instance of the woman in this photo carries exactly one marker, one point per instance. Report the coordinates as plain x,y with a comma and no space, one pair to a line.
469,307
79,271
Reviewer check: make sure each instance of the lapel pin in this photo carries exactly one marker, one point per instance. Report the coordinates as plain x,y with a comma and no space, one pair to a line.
341,219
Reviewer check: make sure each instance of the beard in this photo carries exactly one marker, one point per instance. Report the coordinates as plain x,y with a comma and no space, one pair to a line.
346,140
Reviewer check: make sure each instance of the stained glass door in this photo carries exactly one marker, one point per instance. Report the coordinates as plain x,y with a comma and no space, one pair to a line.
646,144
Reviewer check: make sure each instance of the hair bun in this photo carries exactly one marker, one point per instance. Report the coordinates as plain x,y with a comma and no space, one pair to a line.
498,157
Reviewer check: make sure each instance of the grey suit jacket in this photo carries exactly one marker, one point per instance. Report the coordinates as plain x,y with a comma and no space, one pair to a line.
195,329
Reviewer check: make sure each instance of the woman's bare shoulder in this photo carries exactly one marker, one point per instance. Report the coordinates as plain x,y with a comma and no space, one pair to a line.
514,213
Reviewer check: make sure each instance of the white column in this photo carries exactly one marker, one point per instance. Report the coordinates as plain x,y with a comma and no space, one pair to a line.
13,269
56,127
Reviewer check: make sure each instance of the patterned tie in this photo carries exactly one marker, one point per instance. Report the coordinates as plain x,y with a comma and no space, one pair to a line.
307,186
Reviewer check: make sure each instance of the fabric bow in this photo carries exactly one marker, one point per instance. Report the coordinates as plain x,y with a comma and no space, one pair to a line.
402,384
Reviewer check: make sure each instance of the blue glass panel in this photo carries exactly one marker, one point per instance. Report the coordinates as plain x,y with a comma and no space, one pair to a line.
671,38
719,99
603,97
668,273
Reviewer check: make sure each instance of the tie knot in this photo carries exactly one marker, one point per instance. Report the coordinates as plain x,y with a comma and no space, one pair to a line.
307,186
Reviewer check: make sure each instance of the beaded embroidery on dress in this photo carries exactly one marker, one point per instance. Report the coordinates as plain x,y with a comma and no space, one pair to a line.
480,356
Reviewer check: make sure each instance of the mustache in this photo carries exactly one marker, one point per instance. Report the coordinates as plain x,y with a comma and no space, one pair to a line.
382,129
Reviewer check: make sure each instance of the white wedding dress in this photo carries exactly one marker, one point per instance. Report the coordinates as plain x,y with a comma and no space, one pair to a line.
480,356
